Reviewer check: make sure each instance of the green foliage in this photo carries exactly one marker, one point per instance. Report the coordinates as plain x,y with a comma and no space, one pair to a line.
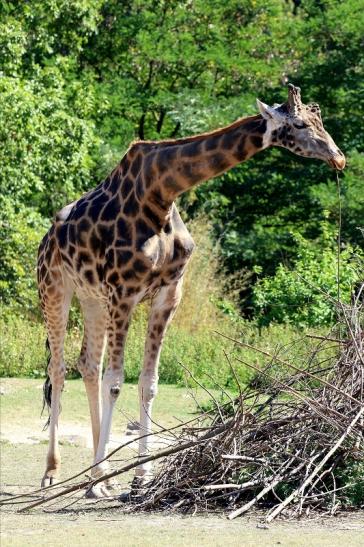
45,152
351,478
20,234
306,293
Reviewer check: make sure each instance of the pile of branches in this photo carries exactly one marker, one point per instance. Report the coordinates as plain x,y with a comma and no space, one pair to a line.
281,448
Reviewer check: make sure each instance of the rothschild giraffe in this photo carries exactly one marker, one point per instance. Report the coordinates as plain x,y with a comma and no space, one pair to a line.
125,241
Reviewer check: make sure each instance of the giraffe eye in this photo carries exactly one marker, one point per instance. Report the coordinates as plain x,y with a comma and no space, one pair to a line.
300,125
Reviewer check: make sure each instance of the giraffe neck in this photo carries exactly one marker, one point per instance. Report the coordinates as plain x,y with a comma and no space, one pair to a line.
161,171
177,166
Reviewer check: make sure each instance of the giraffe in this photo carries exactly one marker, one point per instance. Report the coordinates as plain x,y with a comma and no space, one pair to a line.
124,241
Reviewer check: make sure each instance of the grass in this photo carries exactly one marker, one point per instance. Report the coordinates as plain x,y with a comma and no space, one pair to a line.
22,466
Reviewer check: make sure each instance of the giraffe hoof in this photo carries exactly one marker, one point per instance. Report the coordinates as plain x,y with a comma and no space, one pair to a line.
48,481
136,493
100,490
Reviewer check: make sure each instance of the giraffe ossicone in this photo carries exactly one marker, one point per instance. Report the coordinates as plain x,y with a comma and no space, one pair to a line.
124,241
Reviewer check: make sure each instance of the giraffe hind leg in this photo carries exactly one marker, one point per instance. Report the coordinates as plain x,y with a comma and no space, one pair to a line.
55,305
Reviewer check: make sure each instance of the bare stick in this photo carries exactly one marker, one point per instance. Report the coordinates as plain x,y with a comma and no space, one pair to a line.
306,372
261,494
138,461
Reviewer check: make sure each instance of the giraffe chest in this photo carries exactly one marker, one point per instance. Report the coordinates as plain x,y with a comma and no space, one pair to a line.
158,260
137,264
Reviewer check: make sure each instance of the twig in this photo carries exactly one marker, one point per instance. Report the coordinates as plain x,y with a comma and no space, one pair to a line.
301,488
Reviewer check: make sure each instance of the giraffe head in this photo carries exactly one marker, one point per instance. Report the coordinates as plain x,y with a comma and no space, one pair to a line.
299,128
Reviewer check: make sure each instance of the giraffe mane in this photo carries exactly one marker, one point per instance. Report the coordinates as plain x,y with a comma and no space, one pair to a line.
200,136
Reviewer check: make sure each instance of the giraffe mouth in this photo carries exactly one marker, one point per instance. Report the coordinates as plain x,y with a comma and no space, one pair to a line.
337,162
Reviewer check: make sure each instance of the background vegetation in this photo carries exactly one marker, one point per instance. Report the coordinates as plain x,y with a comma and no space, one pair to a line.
79,80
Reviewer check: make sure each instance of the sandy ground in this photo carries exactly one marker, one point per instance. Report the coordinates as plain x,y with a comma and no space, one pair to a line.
88,522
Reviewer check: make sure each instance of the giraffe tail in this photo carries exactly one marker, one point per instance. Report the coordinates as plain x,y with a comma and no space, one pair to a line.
47,388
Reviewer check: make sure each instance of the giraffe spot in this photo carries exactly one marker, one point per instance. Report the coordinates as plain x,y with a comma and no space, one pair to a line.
112,278
130,291
124,164
95,207
115,182
126,187
252,126
71,250
143,231
124,308
139,188
95,243
111,210
190,172
71,233
258,126
166,314
241,152
84,258
256,141
110,258
131,206
106,183
139,266
100,271
149,171
191,149
123,231
106,234
157,198
136,165
79,210
89,275
129,274
228,141
154,219
211,143
172,185
62,236
82,229
123,258
165,158
218,162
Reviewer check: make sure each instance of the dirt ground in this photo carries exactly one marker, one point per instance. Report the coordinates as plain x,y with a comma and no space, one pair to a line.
88,522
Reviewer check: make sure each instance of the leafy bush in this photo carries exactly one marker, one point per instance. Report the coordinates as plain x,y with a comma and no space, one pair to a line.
306,294
20,235
351,477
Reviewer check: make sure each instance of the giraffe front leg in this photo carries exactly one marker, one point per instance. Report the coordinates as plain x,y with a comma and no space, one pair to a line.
111,387
163,308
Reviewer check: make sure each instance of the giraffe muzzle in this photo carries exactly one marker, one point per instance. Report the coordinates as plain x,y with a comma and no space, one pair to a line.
338,162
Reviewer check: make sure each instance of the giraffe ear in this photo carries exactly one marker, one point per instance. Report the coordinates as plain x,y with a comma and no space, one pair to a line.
266,111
